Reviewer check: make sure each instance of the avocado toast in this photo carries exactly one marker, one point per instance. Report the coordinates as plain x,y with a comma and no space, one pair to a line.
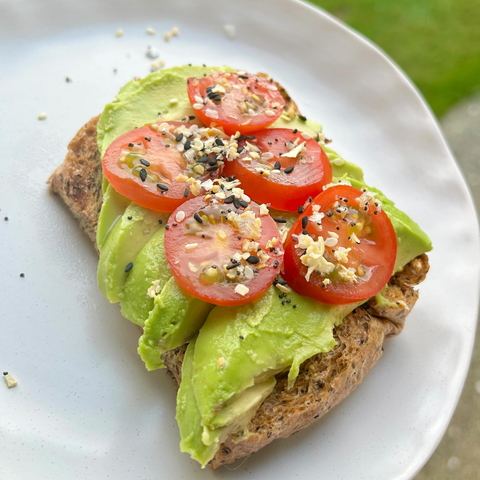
265,407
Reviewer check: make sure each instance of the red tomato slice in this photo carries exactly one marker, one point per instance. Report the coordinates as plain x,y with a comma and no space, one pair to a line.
235,101
218,253
157,165
353,267
268,175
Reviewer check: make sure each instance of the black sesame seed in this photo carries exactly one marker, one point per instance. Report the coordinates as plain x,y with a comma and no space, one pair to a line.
300,209
143,174
289,170
243,203
375,212
212,161
229,199
302,118
186,193
191,117
197,217
289,300
250,137
279,220
253,259
295,131
203,160
283,302
243,76
304,221
305,232
128,267
277,165
212,168
187,145
144,162
174,224
162,187
5,373
236,202
337,227
219,142
179,137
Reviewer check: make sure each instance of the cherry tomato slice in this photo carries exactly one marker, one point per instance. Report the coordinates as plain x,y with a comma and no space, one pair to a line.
235,101
157,165
342,248
218,252
282,167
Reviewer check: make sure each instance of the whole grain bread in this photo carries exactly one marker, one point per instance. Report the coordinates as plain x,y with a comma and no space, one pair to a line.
325,379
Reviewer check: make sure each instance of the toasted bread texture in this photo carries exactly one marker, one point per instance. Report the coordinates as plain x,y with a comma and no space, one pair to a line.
325,379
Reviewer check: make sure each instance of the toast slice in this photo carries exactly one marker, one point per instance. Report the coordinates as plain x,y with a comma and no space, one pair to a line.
325,379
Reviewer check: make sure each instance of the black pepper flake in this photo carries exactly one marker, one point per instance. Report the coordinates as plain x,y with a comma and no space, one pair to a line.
283,302
179,137
143,174
289,300
167,145
160,222
6,219
186,193
128,267
234,265
253,259
191,117
310,199
277,165
304,221
241,337
305,232
22,275
131,145
337,227
300,209
375,212
148,139
289,170
294,306
197,217
144,162
275,264
162,187
129,217
295,131
279,220
212,168
243,76
167,227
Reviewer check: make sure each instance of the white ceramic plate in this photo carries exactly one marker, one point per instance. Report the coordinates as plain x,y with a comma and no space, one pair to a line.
85,406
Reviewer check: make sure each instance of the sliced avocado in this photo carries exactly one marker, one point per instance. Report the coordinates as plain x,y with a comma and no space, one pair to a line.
256,341
175,318
125,240
202,442
150,266
113,207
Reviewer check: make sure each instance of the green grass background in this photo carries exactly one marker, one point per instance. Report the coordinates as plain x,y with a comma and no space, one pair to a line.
436,42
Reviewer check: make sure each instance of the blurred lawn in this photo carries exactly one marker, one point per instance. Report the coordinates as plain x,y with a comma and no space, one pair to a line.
437,42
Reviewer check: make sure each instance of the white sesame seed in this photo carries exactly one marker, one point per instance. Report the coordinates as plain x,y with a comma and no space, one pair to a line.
150,31
191,246
338,162
198,99
180,216
230,31
209,112
119,33
269,113
306,136
174,31
272,87
198,106
173,101
42,116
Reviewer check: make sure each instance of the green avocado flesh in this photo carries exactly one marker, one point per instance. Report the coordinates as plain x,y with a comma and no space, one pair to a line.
230,366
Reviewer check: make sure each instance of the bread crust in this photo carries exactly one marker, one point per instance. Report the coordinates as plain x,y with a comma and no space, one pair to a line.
325,379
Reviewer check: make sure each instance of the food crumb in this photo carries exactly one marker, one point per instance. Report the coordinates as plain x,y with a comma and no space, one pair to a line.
10,380
152,52
22,275
150,31
119,33
42,116
6,219
230,31
157,65
220,361
68,79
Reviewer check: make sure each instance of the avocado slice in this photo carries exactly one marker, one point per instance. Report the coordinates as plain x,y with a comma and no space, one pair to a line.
122,245
150,266
113,207
175,318
202,442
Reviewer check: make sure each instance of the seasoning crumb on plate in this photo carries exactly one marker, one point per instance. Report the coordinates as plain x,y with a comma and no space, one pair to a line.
152,52
42,116
119,33
171,33
10,380
157,65
68,79
150,31
230,31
